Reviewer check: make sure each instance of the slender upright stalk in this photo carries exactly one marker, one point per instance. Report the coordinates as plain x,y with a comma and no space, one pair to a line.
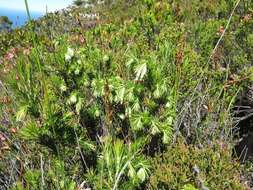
27,10
33,35
224,31
38,60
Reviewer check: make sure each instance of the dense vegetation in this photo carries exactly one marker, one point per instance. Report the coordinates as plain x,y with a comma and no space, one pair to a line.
126,94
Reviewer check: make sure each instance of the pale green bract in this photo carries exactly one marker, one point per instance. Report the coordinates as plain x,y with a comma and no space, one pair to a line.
140,71
69,55
142,174
73,98
20,115
63,88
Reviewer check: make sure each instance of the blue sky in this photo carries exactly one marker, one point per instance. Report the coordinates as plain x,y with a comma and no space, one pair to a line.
35,5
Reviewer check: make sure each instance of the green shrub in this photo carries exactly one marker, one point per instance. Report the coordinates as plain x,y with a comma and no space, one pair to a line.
189,167
54,178
84,98
120,166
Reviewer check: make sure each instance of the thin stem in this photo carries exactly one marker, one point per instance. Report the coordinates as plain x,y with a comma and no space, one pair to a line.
27,10
224,31
80,150
37,55
42,171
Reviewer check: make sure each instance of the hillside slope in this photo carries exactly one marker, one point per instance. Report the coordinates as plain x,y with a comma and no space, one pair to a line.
128,95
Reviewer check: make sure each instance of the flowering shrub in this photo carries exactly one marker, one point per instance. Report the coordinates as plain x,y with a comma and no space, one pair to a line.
90,106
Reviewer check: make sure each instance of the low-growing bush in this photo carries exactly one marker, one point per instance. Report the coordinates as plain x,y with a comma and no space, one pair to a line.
183,166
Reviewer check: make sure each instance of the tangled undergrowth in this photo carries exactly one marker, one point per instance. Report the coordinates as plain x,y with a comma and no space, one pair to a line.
102,103
184,166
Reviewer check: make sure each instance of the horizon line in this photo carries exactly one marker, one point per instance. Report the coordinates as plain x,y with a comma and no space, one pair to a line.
23,10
